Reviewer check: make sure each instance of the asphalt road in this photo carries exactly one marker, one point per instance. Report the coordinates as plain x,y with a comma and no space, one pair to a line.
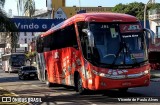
61,95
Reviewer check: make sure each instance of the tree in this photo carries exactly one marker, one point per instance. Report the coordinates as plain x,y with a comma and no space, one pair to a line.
8,26
135,9
2,2
29,7
120,8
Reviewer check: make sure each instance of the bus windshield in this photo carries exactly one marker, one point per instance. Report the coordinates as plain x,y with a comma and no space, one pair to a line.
119,44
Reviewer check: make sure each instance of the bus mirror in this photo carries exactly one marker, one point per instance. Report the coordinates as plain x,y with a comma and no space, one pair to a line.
90,37
151,35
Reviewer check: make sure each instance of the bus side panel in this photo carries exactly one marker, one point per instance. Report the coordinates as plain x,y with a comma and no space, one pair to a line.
73,62
50,66
68,65
61,65
6,66
41,66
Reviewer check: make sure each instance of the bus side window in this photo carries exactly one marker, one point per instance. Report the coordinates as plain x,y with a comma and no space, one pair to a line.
39,45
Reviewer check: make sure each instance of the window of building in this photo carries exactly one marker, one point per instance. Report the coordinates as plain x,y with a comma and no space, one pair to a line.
25,49
25,40
25,33
158,31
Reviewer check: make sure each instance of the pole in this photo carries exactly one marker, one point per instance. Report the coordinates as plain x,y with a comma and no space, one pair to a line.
145,9
79,5
145,15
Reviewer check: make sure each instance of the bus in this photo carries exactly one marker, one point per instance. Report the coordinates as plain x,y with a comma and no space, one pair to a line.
95,51
13,61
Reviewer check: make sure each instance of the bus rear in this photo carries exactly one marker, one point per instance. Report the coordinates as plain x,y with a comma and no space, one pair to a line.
12,62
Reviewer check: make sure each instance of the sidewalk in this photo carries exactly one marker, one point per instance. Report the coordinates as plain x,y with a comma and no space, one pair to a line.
5,93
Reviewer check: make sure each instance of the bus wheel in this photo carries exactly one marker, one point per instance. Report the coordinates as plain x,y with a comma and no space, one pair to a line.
79,86
49,84
123,89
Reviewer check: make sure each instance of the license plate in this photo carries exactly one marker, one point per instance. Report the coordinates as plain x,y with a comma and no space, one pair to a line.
31,74
126,84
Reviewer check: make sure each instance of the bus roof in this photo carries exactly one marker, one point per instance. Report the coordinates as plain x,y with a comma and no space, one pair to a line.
93,17
13,54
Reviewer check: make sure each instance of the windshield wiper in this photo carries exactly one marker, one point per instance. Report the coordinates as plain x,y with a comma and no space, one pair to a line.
122,47
117,55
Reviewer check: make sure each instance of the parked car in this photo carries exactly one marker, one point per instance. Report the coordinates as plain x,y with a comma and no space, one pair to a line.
27,72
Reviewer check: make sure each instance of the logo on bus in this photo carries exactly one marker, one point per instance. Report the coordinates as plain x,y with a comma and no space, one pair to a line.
125,28
117,72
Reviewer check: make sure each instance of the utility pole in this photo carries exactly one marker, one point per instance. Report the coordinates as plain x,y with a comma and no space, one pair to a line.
145,9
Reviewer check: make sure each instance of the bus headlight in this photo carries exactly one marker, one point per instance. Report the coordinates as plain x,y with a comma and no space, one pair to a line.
102,74
146,71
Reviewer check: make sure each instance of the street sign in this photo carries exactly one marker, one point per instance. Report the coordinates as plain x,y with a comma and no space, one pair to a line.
35,25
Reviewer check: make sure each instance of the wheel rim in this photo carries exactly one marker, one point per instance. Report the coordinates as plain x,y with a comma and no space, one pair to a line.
80,88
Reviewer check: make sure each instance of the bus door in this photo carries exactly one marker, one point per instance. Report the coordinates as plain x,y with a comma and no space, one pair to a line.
41,66
56,67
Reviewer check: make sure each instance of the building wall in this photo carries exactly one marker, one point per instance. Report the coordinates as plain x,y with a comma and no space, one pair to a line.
154,21
24,39
61,11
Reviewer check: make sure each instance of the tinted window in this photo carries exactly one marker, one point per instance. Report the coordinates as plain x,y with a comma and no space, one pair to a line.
60,39
29,68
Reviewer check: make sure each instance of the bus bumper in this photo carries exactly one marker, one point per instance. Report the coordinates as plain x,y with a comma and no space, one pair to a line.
102,83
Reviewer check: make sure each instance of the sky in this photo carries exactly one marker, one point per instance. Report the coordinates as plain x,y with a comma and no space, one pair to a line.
40,4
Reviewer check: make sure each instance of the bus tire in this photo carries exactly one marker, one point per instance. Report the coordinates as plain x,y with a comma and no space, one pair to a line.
79,88
123,90
49,84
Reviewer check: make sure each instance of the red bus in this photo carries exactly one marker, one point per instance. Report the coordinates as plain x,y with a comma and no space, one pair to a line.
95,51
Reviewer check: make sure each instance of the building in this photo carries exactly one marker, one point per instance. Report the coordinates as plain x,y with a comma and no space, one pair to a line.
154,20
25,38
60,11
42,14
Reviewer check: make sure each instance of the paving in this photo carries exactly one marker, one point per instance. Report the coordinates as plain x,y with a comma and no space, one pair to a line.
155,77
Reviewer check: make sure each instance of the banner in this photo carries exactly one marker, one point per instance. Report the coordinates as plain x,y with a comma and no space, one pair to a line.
35,25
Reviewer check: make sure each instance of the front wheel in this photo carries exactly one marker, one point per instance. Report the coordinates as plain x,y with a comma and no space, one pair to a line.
123,89
79,86
49,84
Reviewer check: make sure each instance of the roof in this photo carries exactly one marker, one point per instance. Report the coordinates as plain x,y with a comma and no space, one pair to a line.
94,17
12,54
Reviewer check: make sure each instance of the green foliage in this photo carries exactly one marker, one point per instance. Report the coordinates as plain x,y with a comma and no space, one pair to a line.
30,7
30,55
2,2
8,26
154,6
135,9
